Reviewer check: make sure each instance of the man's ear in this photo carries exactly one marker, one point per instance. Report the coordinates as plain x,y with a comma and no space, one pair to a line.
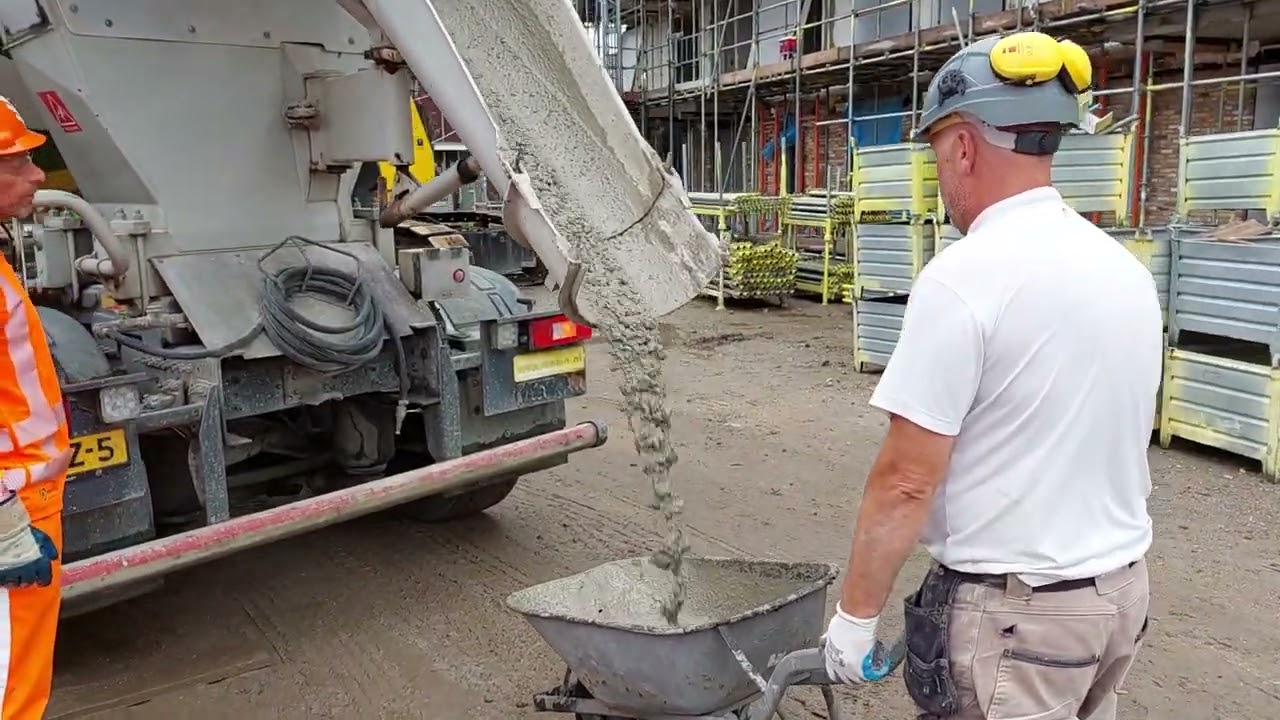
966,149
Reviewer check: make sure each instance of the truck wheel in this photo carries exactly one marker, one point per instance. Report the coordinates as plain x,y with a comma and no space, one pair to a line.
440,508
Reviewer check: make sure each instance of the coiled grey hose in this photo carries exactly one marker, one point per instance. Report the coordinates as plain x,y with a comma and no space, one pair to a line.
325,348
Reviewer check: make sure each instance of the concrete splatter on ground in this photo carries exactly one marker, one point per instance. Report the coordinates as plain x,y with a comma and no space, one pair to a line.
390,618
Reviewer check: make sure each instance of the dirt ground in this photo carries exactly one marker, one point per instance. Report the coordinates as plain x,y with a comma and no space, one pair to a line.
385,617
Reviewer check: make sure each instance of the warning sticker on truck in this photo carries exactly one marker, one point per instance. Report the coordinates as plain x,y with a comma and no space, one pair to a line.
60,112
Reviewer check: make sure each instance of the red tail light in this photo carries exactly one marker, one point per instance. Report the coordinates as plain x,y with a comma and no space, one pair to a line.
556,330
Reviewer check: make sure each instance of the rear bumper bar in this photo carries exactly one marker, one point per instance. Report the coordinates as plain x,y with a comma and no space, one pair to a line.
165,555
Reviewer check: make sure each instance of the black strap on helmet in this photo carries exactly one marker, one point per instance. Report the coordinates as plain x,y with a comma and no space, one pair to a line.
1037,142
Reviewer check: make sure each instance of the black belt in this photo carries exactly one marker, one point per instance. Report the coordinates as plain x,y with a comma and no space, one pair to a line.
1001,580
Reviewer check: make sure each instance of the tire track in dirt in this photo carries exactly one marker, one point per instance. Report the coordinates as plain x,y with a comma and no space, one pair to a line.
635,533
338,635
413,606
450,580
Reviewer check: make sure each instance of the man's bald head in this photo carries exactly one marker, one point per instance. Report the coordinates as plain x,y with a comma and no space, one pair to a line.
977,166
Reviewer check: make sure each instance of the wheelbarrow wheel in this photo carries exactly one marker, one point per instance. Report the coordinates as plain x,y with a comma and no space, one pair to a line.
579,690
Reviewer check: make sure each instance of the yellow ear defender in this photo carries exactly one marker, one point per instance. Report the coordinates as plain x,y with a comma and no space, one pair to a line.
1031,58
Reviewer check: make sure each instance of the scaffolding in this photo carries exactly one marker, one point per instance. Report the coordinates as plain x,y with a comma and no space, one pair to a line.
813,100
737,92
729,90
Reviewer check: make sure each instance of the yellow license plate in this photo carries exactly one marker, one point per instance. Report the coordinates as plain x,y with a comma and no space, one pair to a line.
545,363
98,451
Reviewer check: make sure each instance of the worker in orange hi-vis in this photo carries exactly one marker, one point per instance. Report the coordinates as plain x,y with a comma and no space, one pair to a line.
34,454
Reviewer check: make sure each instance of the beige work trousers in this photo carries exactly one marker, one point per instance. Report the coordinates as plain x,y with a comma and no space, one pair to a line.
1019,654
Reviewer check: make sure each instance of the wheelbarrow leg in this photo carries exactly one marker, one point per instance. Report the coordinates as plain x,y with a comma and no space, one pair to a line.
833,708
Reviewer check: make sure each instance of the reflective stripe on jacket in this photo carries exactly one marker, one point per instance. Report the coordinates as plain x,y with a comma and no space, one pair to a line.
35,447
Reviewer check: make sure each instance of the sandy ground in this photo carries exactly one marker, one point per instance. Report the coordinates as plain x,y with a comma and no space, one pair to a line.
388,618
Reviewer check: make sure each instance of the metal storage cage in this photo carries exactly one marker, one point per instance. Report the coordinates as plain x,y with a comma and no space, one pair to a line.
1092,173
887,257
1221,402
1226,289
1155,428
946,236
1230,171
876,326
1153,247
894,183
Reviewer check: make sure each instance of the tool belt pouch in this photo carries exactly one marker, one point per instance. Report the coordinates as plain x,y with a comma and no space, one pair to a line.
927,668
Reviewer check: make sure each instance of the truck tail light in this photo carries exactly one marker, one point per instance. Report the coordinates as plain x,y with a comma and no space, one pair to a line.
555,331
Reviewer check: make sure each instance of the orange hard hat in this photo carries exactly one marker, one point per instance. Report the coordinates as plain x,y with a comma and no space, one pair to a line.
15,137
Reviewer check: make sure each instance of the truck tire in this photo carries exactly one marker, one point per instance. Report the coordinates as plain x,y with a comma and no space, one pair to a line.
442,508
450,506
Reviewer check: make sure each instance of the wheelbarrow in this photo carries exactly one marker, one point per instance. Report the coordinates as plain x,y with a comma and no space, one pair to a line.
749,630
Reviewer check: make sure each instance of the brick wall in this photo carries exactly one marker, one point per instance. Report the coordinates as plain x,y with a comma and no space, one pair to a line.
827,166
1210,113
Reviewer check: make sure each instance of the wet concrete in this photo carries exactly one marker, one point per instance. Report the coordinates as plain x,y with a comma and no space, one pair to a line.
629,594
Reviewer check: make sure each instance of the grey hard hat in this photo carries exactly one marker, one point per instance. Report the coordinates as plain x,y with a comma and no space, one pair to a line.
966,83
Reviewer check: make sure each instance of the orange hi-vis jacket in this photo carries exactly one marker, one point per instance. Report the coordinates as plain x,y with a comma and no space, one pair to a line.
34,442
34,455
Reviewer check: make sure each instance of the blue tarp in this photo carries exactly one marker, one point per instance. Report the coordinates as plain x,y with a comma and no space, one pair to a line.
880,131
788,137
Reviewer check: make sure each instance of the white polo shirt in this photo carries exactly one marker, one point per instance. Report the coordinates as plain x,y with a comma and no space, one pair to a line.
1037,342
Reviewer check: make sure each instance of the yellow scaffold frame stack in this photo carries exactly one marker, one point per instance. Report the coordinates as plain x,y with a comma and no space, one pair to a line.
746,210
830,214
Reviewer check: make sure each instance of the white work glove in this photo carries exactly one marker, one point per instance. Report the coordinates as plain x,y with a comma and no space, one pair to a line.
852,652
26,553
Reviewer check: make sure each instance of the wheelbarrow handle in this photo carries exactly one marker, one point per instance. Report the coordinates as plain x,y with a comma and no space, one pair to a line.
806,667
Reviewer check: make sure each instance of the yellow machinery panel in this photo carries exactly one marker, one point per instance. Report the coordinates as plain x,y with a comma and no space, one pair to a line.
423,168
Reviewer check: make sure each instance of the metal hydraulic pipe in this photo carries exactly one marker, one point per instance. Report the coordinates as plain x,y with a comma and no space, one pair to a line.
465,172
1146,143
1250,78
119,263
1188,68
671,93
617,44
1244,66
1116,91
176,552
1136,97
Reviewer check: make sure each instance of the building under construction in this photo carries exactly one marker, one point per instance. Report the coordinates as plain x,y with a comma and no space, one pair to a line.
718,84
808,103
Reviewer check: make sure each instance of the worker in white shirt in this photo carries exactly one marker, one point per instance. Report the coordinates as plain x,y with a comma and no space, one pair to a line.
1020,399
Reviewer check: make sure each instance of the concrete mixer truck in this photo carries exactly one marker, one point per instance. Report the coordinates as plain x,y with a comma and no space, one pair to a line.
245,352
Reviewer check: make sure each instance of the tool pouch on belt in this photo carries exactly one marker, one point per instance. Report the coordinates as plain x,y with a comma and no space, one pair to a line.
927,667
